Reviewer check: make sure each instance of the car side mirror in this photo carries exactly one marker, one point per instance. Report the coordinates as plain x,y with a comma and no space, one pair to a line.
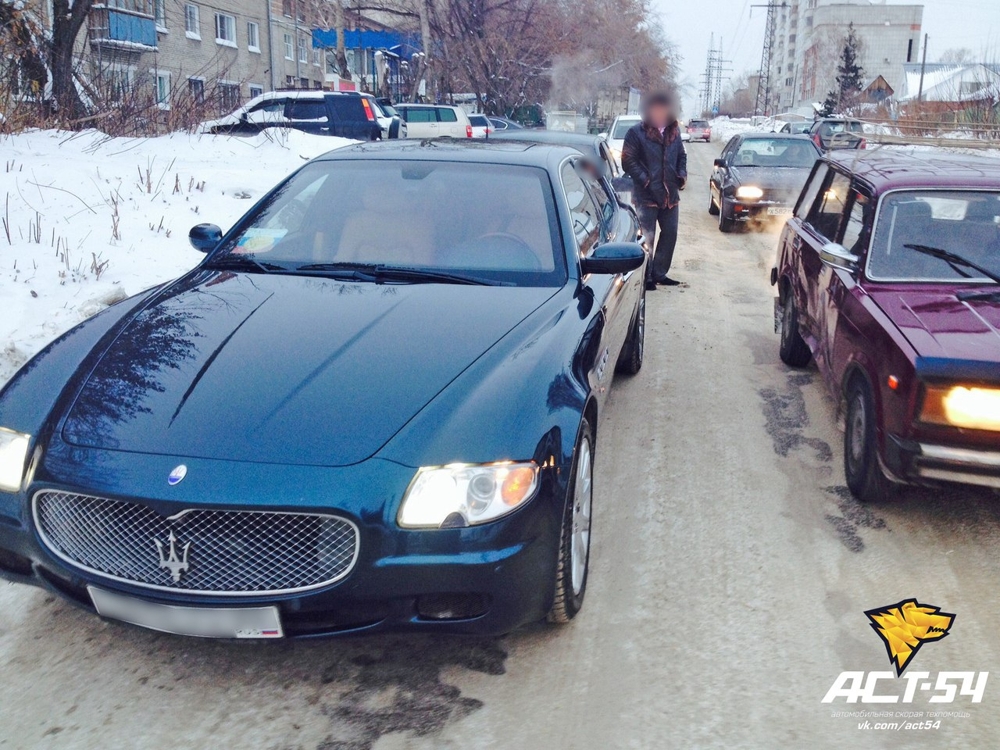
614,258
204,237
720,163
836,255
602,135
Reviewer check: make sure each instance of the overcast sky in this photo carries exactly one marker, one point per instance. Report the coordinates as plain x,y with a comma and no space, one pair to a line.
690,23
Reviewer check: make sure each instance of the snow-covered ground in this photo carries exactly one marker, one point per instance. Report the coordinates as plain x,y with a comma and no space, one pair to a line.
88,219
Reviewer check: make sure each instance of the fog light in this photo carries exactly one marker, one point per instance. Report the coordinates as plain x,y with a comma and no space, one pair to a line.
452,606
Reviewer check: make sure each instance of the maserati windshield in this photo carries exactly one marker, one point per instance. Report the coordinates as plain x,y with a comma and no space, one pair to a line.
912,225
487,222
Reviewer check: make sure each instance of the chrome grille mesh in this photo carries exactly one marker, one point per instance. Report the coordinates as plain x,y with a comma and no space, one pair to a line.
231,552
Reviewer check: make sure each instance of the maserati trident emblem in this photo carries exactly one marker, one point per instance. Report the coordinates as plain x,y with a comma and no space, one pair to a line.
176,565
177,475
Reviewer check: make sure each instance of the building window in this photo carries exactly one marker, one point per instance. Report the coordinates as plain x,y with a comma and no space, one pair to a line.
196,90
318,85
225,29
253,36
160,14
286,8
229,96
192,22
316,57
255,90
289,82
162,89
118,81
303,83
303,50
289,52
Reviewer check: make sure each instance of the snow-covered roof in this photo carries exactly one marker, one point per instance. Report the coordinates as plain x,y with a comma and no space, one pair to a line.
945,82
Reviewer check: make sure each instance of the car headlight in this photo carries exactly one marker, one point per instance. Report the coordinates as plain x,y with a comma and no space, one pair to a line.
972,407
13,452
749,193
461,495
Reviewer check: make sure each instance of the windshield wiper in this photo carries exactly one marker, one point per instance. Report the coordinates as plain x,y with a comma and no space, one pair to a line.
381,273
243,263
957,262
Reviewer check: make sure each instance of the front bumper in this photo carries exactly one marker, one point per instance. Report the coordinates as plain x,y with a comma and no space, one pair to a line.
756,210
928,463
483,580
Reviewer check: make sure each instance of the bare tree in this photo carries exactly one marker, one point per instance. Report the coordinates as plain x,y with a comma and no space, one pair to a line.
68,17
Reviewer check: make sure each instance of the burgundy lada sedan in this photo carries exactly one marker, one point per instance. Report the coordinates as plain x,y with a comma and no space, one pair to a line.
888,276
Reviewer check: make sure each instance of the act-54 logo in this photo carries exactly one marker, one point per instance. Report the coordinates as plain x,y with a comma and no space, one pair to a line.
904,628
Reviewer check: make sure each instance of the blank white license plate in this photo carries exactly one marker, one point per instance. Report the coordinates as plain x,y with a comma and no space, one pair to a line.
203,622
778,211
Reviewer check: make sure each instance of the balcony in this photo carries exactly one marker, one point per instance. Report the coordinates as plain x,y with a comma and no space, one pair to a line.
119,28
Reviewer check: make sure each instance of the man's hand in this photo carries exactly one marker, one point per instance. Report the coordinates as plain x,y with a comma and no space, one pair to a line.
684,182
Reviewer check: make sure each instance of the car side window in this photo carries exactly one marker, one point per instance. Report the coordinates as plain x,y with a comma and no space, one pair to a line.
730,149
447,115
306,109
582,209
419,114
272,106
828,209
808,196
854,227
347,108
606,205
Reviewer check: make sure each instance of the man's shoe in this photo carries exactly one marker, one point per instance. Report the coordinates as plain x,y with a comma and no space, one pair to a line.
650,285
667,281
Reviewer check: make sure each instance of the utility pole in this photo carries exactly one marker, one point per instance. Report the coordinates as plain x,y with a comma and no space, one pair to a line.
923,67
713,78
763,103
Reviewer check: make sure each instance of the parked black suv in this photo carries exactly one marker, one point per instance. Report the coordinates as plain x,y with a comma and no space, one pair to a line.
345,114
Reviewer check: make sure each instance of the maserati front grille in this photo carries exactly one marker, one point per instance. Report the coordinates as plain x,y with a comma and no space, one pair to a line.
200,550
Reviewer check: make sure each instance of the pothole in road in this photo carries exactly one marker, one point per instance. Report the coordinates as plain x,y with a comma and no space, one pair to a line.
853,517
786,417
396,686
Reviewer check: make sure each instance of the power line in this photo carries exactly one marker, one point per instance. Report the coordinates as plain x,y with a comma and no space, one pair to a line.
762,105
714,76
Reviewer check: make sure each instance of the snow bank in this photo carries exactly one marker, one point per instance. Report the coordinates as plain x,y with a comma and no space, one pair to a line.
88,220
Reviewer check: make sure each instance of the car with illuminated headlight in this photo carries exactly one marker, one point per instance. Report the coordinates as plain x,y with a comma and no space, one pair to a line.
758,176
888,277
374,405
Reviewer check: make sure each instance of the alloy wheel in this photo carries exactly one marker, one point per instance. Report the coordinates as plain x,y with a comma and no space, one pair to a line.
582,505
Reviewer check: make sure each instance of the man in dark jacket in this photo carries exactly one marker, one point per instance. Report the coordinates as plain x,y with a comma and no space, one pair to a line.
653,156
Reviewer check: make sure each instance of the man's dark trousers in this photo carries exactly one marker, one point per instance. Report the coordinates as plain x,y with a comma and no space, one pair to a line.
667,218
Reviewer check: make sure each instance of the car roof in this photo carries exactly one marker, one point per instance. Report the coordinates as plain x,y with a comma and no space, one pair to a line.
476,151
775,137
888,169
555,137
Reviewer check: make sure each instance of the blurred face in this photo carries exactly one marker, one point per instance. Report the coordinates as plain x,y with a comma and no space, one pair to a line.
658,115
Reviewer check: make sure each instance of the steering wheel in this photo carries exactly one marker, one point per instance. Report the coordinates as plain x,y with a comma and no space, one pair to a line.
520,250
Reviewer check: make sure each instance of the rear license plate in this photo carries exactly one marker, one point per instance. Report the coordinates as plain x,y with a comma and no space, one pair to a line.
202,622
778,211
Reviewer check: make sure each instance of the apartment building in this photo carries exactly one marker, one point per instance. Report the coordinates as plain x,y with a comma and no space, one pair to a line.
209,53
810,34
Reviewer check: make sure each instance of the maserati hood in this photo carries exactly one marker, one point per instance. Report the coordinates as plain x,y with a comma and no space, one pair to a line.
285,369
938,324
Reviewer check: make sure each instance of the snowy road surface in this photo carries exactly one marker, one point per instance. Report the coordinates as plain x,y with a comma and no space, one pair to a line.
730,573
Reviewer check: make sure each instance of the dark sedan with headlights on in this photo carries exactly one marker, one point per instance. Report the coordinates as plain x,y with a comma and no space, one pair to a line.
374,405
888,277
759,176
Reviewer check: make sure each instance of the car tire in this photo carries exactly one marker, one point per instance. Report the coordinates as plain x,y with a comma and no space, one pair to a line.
574,540
865,478
630,360
726,225
713,210
792,349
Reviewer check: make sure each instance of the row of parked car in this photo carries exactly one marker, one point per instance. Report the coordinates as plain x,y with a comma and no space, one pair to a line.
354,115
